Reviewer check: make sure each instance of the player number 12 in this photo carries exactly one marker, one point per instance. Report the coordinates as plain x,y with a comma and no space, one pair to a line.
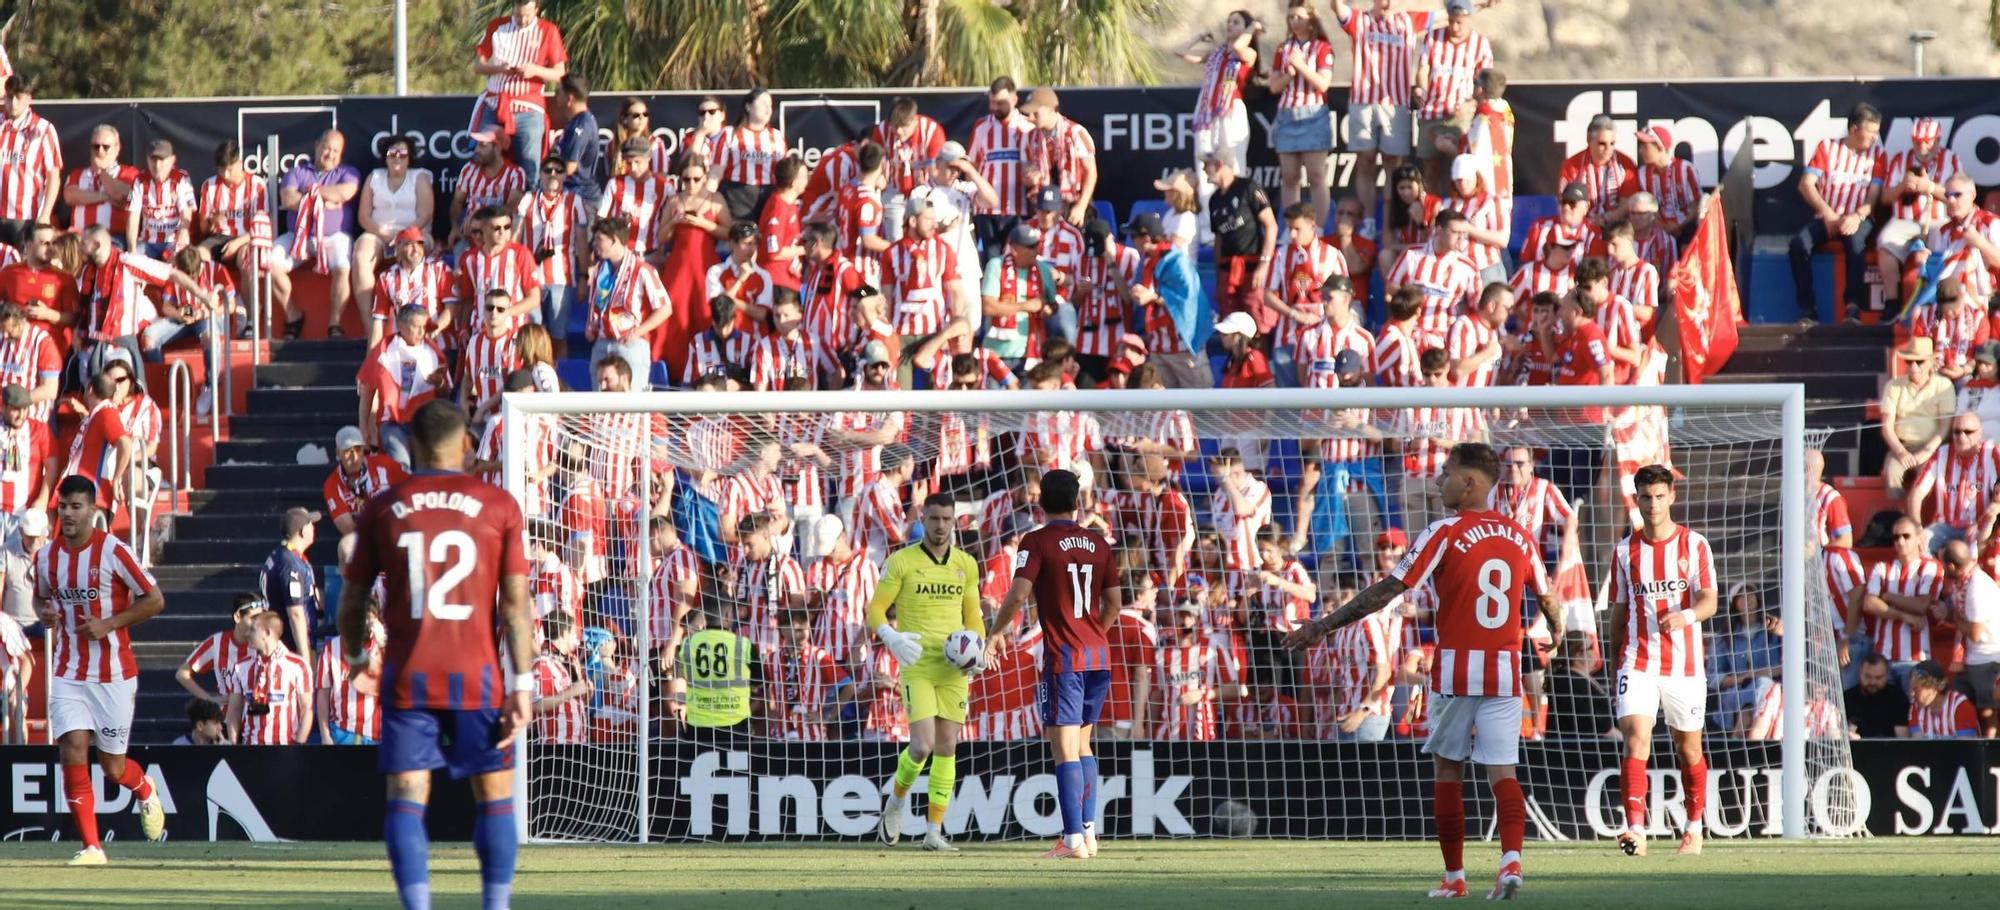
1080,575
426,595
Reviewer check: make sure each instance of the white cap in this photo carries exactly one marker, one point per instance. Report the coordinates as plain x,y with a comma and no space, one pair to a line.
1467,167
951,152
34,523
1237,323
939,202
827,531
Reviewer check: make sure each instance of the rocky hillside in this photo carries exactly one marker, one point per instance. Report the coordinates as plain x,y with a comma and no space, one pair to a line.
1683,39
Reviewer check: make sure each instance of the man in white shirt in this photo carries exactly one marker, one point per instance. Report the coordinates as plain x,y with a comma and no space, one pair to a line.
1975,602
17,564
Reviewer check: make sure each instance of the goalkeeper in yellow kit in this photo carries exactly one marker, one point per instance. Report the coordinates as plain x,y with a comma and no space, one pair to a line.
935,589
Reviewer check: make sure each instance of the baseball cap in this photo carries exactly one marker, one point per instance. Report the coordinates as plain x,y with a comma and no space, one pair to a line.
16,396
1182,179
1927,669
34,523
1147,223
488,136
827,531
1465,167
1237,323
1575,192
1048,199
412,234
1025,235
1456,7
160,148
1657,135
1043,97
636,147
951,152
296,518
1337,284
1394,537
348,437
1347,363
1926,129
875,352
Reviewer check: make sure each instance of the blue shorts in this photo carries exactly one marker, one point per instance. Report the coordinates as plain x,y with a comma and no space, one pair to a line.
424,739
1073,699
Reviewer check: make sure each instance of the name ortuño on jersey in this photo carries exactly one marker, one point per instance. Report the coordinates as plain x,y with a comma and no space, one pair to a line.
1071,570
1655,578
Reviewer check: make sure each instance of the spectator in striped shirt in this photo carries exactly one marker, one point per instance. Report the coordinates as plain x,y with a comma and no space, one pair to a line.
348,703
1451,59
183,315
271,692
562,690
222,651
100,193
1915,185
1841,184
1936,710
519,55
1962,475
1600,169
162,205
1303,133
31,177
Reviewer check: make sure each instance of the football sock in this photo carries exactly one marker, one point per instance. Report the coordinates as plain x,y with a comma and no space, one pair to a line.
1632,783
134,779
1695,777
944,774
1089,763
82,802
496,842
1512,808
409,852
1069,797
907,769
1448,808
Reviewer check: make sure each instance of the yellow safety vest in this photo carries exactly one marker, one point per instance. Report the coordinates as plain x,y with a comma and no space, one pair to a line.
717,665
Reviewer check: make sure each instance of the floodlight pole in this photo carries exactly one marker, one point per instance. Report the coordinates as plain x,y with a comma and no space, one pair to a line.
1919,38
402,37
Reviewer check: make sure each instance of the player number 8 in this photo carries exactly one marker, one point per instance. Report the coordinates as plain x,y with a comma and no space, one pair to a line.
1495,581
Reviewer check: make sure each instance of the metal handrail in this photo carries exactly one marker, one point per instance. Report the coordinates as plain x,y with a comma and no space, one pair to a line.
180,433
221,353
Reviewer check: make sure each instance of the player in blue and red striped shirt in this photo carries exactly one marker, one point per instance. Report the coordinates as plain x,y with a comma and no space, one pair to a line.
1072,576
452,553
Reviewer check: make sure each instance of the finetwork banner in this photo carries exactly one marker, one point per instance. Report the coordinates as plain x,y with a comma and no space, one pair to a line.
837,791
1140,133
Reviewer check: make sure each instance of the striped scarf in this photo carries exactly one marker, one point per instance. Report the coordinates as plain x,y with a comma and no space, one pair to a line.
1218,86
309,230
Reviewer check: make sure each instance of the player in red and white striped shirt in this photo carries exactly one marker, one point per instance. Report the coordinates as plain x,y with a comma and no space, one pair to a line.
30,162
1482,563
1961,475
1451,57
1841,184
222,651
562,691
271,695
1449,281
349,707
1663,586
1904,595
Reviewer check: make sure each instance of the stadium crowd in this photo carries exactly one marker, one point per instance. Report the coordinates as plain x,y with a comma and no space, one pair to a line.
909,259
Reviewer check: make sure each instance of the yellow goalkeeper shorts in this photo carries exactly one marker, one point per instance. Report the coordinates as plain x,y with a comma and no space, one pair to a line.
933,688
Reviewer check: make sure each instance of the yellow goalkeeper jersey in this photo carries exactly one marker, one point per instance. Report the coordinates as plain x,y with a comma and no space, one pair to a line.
933,597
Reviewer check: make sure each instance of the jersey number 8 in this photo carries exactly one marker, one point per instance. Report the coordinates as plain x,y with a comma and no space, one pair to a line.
1495,581
433,596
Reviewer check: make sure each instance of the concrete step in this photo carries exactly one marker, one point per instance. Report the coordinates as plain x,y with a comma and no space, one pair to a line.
347,351
329,400
309,477
282,451
282,422
250,549
308,373
263,503
217,576
1788,335
1805,361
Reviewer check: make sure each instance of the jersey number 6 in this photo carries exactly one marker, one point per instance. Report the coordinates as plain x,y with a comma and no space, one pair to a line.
455,547
1495,580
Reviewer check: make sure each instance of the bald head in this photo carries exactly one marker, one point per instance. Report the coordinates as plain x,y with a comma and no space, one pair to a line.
1957,556
1965,432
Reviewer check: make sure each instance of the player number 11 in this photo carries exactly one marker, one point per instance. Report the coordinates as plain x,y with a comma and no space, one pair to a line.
1080,587
432,596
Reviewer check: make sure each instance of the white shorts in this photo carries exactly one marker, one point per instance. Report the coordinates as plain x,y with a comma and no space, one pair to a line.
1682,699
105,709
1899,234
1230,136
1382,126
339,250
1485,728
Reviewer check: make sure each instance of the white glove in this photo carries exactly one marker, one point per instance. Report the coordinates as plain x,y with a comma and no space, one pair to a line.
905,645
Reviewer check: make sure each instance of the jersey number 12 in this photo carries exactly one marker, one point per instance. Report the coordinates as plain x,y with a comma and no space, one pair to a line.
454,547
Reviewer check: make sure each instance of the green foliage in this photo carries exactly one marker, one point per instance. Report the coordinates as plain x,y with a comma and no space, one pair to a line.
191,48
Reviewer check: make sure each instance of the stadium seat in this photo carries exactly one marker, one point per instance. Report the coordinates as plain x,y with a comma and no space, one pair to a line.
1106,212
660,377
574,372
1527,209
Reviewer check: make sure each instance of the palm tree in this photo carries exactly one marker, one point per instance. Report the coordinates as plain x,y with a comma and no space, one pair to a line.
685,44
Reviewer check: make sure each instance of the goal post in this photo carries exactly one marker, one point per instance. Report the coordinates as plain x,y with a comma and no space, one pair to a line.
635,786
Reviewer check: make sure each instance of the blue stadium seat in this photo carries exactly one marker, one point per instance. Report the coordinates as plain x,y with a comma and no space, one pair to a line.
575,373
1156,206
661,379
1106,212
1527,209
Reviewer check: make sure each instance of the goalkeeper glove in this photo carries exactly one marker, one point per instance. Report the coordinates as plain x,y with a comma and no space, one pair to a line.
902,644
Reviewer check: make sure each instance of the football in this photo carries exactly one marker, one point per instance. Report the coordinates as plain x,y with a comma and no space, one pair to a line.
962,648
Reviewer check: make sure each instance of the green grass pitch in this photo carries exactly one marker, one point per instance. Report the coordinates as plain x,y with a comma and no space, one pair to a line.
1209,874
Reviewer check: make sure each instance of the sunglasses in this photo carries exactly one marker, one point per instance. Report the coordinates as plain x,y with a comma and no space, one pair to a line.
496,309
558,171
501,226
710,110
1905,536
1965,432
397,153
99,147
635,115
1954,194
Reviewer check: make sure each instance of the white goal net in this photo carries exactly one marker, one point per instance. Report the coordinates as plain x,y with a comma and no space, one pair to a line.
1237,514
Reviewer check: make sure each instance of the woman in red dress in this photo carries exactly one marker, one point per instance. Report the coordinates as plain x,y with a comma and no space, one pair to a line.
696,219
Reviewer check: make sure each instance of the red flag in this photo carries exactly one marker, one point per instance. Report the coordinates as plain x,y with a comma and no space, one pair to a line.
1706,303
